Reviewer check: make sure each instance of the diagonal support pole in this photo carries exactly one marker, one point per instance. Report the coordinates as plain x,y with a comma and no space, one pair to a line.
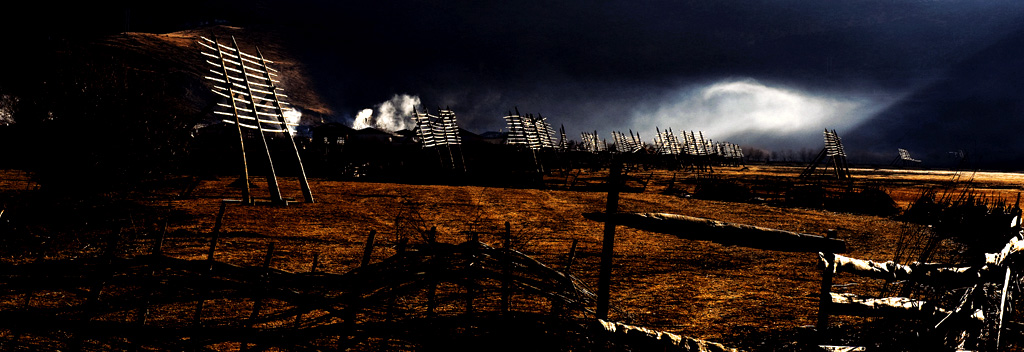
275,191
307,194
247,193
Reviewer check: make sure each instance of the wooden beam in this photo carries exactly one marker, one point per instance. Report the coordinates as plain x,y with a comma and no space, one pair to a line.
851,304
702,229
1012,249
640,337
936,275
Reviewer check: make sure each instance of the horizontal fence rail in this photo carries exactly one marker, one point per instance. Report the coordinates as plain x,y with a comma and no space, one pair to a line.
695,228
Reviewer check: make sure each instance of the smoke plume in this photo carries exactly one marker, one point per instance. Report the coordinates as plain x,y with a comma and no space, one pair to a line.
292,116
392,115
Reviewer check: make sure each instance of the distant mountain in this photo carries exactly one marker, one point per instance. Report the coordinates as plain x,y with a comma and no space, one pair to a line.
178,51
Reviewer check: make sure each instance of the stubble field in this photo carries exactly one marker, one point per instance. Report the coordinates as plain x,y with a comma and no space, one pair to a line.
746,298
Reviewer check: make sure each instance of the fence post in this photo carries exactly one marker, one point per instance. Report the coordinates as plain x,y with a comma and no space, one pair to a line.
571,258
215,234
268,258
1002,308
150,283
434,267
608,242
220,217
258,305
197,320
158,246
825,295
557,307
368,249
213,247
312,270
471,283
400,247
506,284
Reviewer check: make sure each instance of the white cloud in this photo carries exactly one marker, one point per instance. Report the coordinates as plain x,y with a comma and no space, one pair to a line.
754,110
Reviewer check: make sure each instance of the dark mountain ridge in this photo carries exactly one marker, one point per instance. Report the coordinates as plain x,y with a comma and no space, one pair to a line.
101,112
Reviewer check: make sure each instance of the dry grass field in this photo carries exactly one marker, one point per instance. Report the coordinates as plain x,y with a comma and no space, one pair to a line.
745,298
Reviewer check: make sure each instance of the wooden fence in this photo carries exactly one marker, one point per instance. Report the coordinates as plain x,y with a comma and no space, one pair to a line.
425,293
942,276
978,324
427,296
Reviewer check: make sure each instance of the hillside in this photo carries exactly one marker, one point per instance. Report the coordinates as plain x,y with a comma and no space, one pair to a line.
124,107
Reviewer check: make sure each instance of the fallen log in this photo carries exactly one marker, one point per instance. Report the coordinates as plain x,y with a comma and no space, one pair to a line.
641,337
732,234
851,304
936,275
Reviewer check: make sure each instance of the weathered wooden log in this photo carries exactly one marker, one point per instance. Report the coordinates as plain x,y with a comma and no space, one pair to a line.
1013,250
702,229
657,340
851,304
937,275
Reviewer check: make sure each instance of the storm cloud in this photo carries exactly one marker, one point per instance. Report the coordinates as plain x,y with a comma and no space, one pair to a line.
764,74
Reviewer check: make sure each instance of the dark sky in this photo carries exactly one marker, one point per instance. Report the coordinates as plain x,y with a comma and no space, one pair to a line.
929,76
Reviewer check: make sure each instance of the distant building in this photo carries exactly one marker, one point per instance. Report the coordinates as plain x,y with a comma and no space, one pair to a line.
331,134
371,135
